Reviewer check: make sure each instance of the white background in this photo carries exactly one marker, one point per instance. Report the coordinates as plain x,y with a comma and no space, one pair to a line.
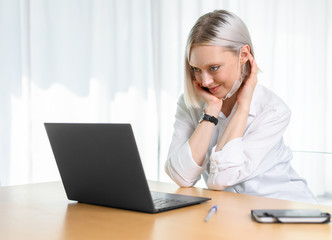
122,61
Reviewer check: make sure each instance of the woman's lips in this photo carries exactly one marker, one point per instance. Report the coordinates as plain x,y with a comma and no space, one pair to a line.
214,89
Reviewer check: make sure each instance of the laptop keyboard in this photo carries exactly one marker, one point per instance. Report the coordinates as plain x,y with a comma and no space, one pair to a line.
164,201
160,203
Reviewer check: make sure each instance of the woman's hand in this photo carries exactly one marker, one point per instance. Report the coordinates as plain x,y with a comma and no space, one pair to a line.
214,104
247,89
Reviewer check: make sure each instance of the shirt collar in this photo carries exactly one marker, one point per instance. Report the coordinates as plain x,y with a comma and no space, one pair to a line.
253,107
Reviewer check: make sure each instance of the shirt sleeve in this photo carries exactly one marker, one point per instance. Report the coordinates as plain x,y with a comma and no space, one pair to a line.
239,158
180,165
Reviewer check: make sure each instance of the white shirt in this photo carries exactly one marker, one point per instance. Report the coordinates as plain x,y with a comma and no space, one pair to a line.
257,163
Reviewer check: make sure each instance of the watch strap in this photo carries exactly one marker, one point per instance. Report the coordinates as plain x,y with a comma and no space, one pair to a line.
210,118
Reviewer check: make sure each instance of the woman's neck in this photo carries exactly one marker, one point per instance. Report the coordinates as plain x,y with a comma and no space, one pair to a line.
228,105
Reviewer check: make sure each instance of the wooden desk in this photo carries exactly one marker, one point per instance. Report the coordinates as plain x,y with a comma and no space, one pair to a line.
42,211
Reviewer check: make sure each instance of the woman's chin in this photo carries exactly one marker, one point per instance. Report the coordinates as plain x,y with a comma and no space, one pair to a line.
219,96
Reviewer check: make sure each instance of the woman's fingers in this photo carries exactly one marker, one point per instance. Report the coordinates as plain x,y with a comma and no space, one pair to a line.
252,79
246,91
208,97
253,64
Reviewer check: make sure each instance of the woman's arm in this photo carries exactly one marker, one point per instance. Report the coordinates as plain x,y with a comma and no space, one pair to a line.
180,166
200,139
240,158
237,124
190,143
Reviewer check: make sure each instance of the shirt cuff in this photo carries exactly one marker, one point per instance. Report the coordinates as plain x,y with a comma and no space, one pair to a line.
185,165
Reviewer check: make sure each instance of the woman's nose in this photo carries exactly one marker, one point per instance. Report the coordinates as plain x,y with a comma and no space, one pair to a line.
206,79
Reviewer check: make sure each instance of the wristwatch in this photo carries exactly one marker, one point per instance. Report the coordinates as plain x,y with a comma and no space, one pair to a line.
208,117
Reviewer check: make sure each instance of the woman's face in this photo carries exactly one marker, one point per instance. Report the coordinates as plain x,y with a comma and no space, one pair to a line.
215,68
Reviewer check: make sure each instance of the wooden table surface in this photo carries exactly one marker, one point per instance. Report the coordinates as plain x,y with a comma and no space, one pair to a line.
42,211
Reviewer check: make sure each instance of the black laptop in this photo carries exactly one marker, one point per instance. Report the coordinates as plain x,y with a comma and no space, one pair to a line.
100,164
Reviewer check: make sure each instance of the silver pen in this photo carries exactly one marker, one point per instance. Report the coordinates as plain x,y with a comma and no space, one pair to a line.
211,212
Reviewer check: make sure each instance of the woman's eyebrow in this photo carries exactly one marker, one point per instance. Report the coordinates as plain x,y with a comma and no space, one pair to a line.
191,65
206,65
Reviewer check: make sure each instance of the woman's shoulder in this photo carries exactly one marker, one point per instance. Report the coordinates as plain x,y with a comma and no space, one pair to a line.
266,98
184,111
182,104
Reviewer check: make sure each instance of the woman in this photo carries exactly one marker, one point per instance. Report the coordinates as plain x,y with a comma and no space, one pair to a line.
227,128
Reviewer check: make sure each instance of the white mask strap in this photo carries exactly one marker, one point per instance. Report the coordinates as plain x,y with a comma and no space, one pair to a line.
236,85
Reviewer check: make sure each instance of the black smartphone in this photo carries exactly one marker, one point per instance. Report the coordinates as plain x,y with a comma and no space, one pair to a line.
206,89
290,216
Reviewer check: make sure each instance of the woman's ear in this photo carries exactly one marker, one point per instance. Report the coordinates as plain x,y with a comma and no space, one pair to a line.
245,52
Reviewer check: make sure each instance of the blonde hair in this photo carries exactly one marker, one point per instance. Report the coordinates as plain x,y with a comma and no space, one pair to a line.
218,28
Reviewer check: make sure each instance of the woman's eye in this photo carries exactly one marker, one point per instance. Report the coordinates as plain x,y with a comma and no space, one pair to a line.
195,69
214,68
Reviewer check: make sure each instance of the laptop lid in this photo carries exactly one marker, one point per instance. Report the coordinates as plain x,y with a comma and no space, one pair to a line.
100,164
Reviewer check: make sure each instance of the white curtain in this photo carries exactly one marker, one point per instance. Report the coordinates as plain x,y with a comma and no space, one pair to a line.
122,61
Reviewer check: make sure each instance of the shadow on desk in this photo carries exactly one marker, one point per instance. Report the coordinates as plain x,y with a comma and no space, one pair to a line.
85,221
